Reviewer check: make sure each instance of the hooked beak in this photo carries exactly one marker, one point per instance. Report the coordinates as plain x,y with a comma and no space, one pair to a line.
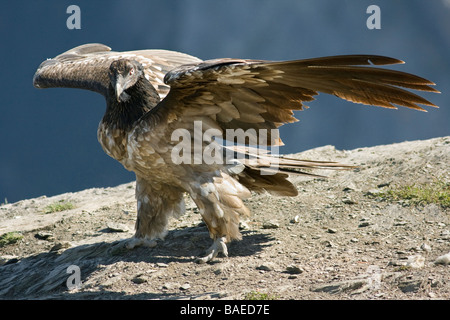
120,94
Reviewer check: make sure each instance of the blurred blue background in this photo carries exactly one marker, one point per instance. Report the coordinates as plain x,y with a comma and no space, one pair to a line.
48,137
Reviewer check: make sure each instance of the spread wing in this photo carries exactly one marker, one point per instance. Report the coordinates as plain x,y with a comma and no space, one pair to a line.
253,94
86,67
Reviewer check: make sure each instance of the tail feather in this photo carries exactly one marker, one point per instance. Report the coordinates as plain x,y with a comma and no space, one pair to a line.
265,172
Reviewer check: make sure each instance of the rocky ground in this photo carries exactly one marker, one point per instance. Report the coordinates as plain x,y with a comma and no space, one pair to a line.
341,238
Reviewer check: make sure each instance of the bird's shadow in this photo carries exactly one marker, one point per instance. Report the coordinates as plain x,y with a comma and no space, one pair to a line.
187,244
46,274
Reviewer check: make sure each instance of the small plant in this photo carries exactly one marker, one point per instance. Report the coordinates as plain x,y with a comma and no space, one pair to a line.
10,238
61,205
255,295
436,192
403,268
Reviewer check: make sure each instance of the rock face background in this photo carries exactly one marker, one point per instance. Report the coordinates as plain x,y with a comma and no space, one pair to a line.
340,238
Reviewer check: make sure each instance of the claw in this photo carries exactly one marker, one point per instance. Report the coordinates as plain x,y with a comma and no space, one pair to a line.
131,243
219,246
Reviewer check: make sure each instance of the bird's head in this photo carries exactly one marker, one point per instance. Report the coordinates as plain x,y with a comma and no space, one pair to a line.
123,75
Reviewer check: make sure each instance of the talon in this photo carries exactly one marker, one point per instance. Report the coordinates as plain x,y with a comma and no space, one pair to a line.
134,242
219,246
139,242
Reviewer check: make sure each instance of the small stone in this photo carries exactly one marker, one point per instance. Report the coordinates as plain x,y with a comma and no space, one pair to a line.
445,235
243,225
296,219
416,261
266,267
271,225
162,265
294,269
425,247
413,262
383,184
354,240
42,235
117,227
139,279
364,224
435,283
348,200
170,285
444,259
350,187
185,286
61,245
330,230
328,244
374,192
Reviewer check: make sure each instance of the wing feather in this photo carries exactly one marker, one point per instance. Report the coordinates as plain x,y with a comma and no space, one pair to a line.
256,94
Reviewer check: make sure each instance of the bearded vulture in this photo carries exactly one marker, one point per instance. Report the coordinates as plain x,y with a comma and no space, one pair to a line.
156,97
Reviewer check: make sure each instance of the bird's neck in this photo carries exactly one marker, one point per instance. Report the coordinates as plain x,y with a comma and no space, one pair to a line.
122,115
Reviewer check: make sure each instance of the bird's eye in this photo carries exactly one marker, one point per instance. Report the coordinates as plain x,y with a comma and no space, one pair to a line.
131,72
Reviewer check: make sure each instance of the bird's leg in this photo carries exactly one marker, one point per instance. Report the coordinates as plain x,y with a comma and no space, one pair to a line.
219,246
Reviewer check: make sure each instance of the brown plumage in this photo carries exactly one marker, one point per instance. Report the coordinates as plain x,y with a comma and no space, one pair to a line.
153,94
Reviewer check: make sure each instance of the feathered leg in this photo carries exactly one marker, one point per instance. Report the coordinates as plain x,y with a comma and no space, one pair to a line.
221,206
155,205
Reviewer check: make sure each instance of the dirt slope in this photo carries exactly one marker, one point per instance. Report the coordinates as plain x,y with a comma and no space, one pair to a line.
336,240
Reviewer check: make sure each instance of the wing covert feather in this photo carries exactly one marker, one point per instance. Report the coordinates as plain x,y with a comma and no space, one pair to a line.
86,67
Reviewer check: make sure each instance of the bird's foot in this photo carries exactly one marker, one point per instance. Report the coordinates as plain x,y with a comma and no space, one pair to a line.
131,243
219,246
134,242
